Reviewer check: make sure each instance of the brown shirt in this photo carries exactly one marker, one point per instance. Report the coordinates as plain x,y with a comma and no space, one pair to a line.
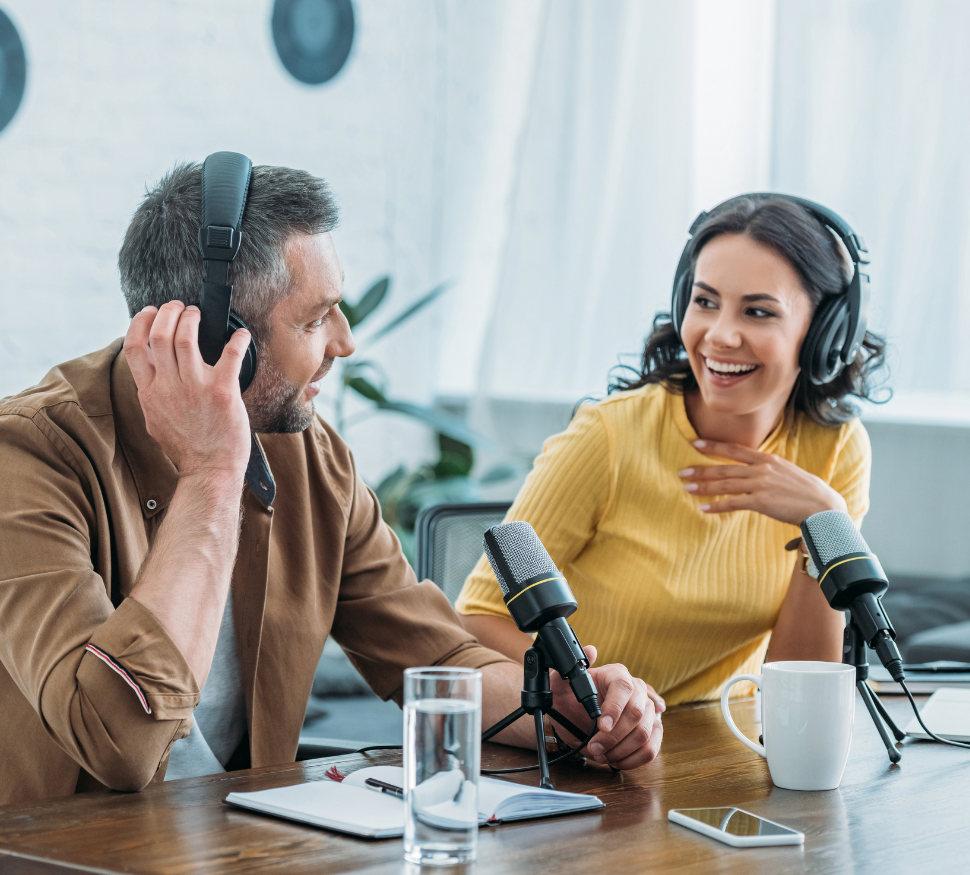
83,489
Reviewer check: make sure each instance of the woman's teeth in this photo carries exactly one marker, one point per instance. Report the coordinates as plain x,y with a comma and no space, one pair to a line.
725,368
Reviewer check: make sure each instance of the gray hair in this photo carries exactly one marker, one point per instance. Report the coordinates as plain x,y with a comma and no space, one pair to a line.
160,260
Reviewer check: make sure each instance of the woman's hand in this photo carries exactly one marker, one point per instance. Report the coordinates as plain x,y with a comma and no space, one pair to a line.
763,482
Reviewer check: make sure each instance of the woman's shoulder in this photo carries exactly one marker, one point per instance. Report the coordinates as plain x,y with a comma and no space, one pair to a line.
839,445
841,434
648,400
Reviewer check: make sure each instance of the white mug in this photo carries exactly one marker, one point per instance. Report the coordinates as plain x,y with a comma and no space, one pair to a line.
807,713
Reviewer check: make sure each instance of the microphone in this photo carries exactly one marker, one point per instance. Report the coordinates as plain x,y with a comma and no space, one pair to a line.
539,600
852,579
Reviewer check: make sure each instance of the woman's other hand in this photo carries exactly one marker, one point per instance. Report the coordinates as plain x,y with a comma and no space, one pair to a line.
762,482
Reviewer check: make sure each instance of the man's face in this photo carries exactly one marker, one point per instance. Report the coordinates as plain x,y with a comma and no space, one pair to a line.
307,331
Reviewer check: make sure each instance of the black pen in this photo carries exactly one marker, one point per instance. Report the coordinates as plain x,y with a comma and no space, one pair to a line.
385,788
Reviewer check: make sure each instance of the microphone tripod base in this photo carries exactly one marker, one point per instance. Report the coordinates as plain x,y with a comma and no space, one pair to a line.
536,700
854,653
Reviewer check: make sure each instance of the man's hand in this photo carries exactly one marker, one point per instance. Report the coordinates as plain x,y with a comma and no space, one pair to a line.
630,730
194,411
762,482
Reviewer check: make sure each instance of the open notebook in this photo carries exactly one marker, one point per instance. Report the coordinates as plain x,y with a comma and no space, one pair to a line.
353,807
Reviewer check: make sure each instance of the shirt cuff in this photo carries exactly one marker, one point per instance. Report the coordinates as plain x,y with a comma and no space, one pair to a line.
135,646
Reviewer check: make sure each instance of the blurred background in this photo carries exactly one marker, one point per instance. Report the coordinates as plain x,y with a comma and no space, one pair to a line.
525,171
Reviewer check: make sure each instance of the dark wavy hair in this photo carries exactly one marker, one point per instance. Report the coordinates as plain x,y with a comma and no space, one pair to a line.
818,259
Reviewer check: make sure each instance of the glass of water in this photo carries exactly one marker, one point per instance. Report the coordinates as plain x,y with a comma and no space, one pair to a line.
442,758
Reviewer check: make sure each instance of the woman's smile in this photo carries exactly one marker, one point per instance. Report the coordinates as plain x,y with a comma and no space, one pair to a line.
725,374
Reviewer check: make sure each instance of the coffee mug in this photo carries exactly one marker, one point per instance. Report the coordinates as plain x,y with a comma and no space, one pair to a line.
807,711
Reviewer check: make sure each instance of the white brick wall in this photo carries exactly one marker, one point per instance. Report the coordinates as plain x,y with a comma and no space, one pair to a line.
119,91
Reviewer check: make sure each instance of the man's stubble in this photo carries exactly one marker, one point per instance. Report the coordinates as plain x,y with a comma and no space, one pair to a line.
275,405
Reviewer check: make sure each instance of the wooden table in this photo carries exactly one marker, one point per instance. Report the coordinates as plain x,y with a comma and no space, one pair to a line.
913,818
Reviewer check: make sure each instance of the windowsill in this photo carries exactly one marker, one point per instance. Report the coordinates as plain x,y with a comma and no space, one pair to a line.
932,408
940,408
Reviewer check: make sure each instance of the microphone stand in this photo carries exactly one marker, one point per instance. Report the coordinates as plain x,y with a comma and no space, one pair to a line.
536,699
854,653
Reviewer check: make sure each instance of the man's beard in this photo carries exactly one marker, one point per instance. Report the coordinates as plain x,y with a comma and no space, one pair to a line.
275,405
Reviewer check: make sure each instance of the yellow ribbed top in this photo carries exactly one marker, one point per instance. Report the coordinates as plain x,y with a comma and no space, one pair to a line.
684,599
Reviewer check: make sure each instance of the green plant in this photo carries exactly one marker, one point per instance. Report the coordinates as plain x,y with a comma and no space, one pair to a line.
404,493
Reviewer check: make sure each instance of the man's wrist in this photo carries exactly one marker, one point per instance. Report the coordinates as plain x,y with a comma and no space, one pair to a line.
213,485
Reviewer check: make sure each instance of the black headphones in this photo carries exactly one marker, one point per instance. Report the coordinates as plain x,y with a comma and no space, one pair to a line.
225,183
839,324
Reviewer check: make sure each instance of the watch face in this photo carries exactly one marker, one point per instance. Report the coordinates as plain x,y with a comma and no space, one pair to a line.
13,70
313,37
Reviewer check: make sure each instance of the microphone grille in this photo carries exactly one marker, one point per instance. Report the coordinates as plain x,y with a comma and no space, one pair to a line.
834,535
522,552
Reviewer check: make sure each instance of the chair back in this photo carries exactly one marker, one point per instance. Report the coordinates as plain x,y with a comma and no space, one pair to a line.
449,541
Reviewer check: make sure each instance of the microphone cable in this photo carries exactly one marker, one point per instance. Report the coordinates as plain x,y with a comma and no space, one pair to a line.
371,747
564,756
558,759
926,729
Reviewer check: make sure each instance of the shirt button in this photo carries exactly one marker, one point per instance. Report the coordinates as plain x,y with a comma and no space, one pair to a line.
151,503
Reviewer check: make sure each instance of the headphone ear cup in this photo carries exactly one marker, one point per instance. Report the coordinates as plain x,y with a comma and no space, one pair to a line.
248,369
821,356
680,299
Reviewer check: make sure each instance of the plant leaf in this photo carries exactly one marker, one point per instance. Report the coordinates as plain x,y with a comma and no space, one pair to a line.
440,422
420,304
372,299
366,388
457,458
369,370
350,312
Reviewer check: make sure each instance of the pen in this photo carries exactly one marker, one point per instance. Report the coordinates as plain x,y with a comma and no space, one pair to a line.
385,788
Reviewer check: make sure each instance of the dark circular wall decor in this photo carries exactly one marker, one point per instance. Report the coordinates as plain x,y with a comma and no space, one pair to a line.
13,70
313,37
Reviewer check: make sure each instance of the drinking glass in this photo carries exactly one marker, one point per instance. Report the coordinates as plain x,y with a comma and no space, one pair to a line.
442,758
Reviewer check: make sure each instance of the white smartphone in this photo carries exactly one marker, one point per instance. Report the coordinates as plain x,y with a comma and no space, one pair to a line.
735,827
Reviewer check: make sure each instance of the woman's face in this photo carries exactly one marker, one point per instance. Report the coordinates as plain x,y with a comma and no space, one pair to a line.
744,326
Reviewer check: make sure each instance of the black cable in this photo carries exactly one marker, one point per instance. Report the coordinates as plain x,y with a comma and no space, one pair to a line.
552,762
912,702
569,752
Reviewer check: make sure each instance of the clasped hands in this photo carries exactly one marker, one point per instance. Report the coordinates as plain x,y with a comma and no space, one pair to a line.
762,482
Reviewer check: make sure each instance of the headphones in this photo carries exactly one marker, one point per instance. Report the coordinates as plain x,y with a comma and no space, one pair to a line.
225,184
839,324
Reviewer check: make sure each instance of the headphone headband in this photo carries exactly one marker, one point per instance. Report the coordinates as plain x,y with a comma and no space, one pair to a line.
225,185
839,324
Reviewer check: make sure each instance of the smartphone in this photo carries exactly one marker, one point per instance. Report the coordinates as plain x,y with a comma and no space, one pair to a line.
735,827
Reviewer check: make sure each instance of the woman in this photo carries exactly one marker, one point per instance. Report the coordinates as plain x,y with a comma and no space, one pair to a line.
669,505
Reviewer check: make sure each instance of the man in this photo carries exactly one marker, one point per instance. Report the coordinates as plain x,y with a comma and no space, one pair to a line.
160,563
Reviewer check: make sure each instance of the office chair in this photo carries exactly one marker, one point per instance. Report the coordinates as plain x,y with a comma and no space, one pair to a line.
449,541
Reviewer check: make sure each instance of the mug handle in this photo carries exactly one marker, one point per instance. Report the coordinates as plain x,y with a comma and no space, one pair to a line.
726,710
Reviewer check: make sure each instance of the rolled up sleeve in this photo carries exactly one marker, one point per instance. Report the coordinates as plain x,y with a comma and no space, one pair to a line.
387,621
109,685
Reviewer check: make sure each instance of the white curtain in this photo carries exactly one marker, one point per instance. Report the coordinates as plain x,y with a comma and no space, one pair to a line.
626,125
625,118
872,116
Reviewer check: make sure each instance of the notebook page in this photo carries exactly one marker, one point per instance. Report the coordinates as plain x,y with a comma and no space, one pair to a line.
501,799
332,805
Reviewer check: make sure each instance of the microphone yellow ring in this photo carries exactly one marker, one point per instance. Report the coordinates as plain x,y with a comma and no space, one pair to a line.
537,583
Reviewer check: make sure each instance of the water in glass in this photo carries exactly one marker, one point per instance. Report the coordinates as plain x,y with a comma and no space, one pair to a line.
442,755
